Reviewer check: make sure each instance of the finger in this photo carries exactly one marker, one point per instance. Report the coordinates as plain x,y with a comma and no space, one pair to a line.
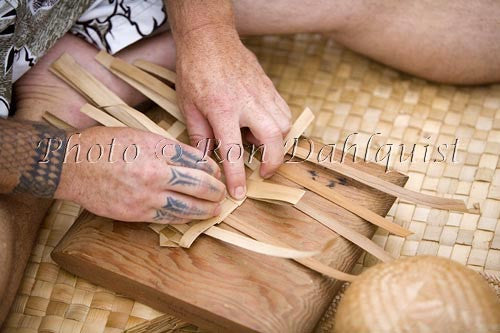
279,118
157,215
227,129
161,216
249,137
198,127
195,183
190,157
277,107
283,106
186,207
200,132
267,132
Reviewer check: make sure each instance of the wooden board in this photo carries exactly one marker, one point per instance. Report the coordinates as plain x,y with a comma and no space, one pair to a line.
221,287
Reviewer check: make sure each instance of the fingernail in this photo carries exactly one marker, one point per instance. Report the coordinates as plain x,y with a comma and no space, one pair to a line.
239,192
217,210
268,175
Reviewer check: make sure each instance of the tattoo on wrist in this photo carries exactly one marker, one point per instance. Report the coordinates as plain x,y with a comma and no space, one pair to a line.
25,165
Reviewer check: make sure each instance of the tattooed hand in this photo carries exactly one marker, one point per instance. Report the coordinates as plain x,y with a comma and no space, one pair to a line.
165,183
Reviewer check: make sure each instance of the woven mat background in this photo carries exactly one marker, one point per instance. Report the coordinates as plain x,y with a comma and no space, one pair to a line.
348,93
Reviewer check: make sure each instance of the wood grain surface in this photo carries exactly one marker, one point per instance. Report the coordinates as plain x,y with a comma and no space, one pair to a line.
219,286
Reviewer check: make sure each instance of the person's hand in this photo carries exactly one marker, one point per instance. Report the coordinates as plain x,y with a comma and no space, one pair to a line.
166,183
222,88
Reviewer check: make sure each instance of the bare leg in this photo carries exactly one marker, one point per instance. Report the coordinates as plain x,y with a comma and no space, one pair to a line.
39,91
446,41
20,218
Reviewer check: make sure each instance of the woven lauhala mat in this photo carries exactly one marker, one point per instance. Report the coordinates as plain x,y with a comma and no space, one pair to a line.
349,94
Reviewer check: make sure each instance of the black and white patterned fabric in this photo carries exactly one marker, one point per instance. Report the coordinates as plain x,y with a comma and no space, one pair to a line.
28,28
115,24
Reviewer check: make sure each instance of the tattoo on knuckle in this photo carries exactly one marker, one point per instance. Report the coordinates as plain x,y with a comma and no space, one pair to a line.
163,215
180,178
213,186
190,160
176,208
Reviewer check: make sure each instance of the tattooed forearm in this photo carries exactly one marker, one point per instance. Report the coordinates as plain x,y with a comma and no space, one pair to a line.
25,165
